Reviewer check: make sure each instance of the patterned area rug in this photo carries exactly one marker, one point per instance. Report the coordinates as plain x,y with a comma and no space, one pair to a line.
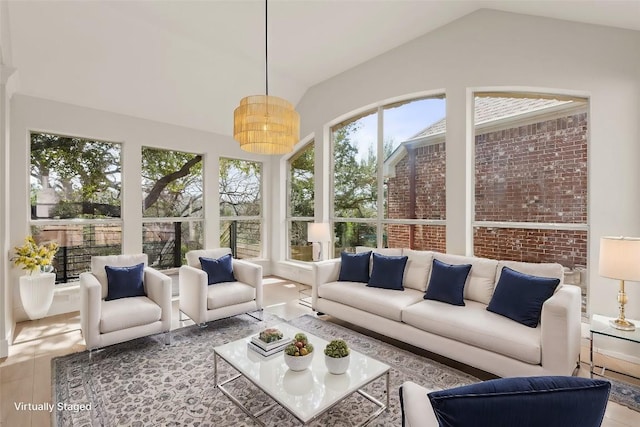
146,383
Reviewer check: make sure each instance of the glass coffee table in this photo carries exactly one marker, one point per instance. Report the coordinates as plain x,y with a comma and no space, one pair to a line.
307,394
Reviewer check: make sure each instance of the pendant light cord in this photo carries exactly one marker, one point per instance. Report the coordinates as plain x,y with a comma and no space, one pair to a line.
266,49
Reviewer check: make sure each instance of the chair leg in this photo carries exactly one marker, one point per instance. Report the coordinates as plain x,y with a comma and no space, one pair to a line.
203,325
259,317
167,338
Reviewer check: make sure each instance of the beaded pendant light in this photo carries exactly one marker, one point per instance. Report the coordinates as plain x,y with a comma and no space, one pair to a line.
266,124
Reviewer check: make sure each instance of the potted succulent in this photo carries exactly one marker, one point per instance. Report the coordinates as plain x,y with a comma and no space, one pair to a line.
337,357
299,354
36,288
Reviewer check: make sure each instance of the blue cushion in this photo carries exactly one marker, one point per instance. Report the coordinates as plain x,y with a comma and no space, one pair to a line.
218,270
520,296
447,282
387,272
354,267
523,402
125,282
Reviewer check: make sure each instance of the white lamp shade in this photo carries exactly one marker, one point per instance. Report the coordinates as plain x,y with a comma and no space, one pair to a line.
620,258
318,232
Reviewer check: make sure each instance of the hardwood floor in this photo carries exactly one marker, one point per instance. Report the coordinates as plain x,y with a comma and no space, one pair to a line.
25,376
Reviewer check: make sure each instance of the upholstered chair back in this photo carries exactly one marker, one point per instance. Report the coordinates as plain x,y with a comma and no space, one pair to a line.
98,263
193,257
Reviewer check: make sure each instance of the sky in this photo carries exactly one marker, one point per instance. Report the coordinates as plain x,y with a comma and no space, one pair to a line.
400,123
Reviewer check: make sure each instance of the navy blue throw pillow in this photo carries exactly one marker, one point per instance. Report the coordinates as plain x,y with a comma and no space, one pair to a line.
523,402
354,267
218,270
447,282
520,296
125,282
387,272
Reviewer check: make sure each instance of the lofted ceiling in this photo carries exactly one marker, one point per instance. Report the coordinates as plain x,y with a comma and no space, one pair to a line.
190,62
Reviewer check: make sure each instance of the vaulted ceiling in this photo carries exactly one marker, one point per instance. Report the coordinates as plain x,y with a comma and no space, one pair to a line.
189,62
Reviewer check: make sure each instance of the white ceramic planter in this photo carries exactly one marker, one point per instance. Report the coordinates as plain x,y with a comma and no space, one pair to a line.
36,293
337,365
299,363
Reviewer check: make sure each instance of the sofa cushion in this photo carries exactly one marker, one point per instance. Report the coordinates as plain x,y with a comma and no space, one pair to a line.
418,267
125,282
447,282
127,313
476,326
218,270
529,401
229,293
387,272
543,269
382,302
520,296
481,280
354,267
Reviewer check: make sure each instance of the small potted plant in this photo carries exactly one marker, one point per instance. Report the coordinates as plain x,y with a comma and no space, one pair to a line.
270,335
337,357
36,288
299,354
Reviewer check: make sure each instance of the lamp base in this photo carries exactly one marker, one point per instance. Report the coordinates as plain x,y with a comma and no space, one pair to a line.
622,324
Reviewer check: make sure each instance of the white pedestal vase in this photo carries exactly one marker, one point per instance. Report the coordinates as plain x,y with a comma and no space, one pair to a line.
36,293
337,365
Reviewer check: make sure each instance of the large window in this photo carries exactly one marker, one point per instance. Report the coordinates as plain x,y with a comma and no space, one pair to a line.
240,184
531,180
75,199
409,138
172,206
300,209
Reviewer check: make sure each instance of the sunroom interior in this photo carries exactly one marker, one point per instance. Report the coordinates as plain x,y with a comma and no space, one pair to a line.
419,144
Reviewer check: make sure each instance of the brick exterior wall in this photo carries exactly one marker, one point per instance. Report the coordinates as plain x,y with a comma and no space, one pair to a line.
531,173
567,247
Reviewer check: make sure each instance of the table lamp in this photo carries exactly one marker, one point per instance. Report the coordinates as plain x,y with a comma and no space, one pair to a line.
318,233
620,259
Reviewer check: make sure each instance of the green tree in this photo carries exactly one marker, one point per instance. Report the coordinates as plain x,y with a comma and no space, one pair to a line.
240,187
302,193
171,183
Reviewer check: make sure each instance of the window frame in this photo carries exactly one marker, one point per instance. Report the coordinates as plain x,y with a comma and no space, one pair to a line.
379,221
289,218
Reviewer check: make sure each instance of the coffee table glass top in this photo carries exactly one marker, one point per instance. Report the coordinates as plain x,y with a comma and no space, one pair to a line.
306,393
600,325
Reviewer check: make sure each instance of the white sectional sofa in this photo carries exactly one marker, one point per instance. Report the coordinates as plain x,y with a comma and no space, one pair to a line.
469,334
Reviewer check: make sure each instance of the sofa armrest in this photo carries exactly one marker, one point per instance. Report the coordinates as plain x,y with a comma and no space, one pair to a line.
251,274
90,309
560,324
323,272
193,292
158,288
416,406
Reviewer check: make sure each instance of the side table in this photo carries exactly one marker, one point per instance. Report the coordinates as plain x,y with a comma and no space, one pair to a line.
600,326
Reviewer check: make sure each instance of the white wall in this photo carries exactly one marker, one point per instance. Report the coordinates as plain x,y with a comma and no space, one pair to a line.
35,114
491,49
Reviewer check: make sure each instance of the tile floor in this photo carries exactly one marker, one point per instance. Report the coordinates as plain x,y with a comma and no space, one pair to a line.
25,376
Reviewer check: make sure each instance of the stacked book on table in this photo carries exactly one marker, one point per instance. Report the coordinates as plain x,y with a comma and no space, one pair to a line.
267,349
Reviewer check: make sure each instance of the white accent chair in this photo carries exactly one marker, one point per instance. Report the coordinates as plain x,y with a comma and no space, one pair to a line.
204,303
105,323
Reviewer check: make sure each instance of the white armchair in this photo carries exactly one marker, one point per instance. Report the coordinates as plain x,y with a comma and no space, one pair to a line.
108,322
204,303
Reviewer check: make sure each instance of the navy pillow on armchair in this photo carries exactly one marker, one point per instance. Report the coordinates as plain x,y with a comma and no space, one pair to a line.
354,267
523,402
218,270
125,282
